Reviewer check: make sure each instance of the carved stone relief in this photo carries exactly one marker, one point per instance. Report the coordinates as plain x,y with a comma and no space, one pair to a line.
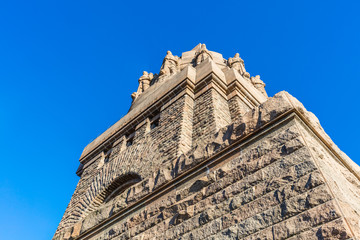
144,83
202,55
259,84
237,63
170,65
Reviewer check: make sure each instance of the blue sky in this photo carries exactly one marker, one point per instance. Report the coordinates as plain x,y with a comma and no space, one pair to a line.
67,69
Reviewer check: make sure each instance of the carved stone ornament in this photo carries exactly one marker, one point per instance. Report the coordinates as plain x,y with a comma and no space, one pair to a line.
170,65
144,83
237,63
259,84
203,54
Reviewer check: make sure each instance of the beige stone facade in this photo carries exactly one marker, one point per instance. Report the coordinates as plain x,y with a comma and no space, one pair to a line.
204,153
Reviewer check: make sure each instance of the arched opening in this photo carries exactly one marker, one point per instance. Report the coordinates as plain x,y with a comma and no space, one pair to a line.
118,186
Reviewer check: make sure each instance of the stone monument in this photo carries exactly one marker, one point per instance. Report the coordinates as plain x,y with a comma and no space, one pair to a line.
204,153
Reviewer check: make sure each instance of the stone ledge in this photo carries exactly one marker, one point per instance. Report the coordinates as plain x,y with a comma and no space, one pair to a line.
207,74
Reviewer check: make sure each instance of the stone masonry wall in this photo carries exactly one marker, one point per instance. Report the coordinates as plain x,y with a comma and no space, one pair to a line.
211,112
174,129
237,108
343,184
204,119
185,140
264,176
271,189
203,164
148,152
221,110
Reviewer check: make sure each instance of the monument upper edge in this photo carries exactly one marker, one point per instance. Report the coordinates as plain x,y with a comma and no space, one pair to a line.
174,71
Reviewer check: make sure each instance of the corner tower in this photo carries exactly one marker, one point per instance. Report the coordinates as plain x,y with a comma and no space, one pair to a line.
203,153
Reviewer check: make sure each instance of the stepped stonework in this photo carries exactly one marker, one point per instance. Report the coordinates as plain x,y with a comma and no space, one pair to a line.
204,153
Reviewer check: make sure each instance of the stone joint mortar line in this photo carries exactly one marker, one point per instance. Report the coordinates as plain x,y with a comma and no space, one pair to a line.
212,160
273,206
242,178
323,140
224,187
314,227
322,174
285,218
257,198
221,202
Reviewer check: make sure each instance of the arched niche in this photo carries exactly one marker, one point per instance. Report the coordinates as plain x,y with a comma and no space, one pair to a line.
117,186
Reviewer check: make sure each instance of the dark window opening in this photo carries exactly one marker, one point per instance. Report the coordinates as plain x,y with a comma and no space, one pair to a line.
155,120
154,124
106,154
130,139
129,142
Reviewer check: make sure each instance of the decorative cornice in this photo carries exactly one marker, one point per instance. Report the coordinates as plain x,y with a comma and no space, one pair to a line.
197,80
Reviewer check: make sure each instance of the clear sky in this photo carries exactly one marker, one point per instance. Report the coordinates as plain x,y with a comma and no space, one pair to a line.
68,68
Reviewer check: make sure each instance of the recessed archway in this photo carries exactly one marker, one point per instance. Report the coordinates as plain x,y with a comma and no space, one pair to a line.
118,186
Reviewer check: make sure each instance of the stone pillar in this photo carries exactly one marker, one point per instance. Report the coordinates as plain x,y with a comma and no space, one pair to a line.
237,107
211,112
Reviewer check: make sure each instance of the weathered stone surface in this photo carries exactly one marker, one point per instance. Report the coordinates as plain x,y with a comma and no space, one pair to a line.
204,154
